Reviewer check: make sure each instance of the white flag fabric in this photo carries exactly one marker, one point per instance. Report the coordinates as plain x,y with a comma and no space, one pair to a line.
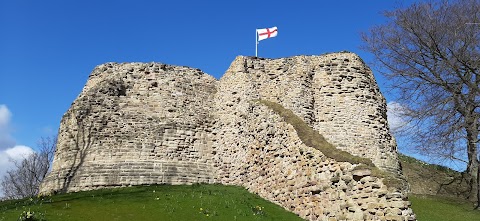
265,33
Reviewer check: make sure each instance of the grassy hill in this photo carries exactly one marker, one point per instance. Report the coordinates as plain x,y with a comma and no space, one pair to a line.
440,208
156,202
431,179
435,198
437,193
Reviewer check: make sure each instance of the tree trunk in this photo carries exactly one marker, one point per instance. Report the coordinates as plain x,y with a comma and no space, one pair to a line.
473,164
478,189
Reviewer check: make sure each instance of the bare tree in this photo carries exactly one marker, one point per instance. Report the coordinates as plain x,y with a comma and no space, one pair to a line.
430,52
25,178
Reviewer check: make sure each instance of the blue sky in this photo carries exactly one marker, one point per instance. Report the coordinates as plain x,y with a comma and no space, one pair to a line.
48,48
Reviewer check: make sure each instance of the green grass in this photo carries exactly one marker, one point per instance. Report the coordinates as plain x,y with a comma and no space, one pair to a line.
157,202
435,208
434,167
313,139
426,207
431,179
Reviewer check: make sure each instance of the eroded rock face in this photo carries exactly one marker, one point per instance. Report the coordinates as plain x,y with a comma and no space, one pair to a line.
269,159
153,123
335,93
136,124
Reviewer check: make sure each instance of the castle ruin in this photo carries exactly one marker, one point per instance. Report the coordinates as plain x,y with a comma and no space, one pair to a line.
152,123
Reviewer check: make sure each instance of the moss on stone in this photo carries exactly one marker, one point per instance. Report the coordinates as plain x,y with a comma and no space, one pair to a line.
313,139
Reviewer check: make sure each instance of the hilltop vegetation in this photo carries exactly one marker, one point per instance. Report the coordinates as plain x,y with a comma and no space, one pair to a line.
437,193
438,208
433,199
156,202
431,179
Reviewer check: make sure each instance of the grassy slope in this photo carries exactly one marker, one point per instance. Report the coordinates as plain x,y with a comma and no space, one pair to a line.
437,192
158,202
312,138
429,179
432,199
438,208
421,176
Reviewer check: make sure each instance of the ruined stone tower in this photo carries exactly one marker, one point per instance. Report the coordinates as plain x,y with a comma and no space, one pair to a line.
151,123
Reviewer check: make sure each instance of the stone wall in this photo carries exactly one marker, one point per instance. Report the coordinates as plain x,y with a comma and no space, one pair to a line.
269,159
153,123
335,93
136,124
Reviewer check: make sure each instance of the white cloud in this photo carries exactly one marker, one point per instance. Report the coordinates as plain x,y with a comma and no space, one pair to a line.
394,116
19,152
4,116
8,150
6,139
16,153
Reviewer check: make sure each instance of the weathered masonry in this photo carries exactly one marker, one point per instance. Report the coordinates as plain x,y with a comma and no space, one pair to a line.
149,123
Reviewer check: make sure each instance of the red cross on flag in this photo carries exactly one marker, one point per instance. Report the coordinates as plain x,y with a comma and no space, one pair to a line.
265,33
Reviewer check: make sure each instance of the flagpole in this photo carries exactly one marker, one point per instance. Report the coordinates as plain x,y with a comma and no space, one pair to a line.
256,43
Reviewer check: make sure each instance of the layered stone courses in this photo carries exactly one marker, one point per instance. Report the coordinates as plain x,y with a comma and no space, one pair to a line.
137,123
335,93
271,161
